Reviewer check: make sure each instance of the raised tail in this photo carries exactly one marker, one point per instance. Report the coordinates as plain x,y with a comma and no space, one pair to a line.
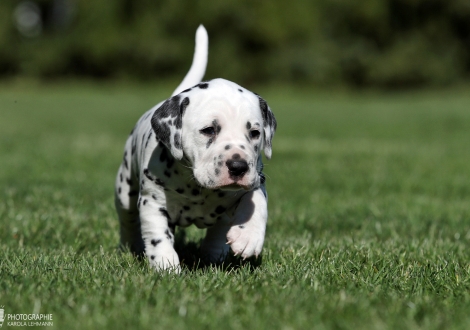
198,67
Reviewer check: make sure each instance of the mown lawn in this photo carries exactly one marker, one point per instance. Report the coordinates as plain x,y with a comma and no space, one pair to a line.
369,215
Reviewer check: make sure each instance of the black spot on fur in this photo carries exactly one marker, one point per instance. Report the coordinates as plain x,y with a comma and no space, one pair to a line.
262,178
152,257
209,142
187,208
248,125
164,212
195,192
221,194
133,149
220,209
216,126
236,156
241,226
148,139
148,175
168,174
119,190
170,109
120,177
154,197
168,235
186,90
242,146
267,115
212,215
227,147
241,91
217,172
159,182
179,119
144,202
203,85
256,148
155,242
180,190
220,164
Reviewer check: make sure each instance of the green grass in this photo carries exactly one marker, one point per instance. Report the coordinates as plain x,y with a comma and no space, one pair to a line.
369,201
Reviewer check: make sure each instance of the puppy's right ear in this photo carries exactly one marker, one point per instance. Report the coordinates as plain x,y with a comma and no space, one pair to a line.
167,123
269,126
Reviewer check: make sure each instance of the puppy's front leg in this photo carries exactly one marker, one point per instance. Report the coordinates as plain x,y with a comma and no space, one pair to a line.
246,236
157,236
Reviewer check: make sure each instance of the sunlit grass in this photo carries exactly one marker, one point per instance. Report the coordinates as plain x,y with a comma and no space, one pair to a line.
369,215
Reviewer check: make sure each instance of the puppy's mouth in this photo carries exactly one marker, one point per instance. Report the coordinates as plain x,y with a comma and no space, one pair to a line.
236,186
229,185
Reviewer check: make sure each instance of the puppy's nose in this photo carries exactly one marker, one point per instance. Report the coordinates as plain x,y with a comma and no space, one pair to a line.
237,167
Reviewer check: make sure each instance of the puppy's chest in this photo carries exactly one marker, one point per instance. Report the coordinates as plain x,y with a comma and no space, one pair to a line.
203,209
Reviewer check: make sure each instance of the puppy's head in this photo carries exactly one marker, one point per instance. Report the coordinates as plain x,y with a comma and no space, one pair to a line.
220,128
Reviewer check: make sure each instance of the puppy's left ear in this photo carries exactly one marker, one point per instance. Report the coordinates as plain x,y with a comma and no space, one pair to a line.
167,123
269,126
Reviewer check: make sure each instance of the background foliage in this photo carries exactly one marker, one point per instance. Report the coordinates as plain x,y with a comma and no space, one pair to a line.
387,43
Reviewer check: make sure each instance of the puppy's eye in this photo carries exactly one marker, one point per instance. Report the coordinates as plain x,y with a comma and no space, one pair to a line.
254,134
209,131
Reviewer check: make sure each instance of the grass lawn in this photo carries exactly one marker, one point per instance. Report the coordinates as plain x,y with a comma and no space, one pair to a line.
369,202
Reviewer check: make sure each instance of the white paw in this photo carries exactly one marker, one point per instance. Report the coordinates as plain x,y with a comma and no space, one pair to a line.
245,241
164,259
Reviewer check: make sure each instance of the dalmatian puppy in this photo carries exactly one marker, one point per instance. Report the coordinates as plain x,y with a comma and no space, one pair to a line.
195,159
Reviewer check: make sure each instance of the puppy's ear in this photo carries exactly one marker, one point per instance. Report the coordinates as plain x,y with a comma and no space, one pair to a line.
167,122
269,126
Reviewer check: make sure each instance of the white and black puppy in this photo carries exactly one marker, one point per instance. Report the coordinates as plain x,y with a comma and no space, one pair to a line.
195,159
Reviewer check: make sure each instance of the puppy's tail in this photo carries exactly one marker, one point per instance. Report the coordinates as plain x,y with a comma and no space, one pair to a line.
198,67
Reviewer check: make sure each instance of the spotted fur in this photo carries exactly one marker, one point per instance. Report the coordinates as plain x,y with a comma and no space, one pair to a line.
187,164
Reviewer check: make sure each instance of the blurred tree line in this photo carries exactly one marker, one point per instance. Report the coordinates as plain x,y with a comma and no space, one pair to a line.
386,43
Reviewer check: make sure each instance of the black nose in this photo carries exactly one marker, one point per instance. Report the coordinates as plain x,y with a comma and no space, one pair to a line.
237,167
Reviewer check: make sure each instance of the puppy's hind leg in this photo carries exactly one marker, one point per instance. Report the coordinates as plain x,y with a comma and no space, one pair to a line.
125,199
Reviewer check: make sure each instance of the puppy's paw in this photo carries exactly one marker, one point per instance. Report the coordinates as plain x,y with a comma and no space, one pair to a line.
164,258
245,241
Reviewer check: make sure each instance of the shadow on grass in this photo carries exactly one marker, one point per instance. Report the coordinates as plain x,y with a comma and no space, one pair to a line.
191,257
